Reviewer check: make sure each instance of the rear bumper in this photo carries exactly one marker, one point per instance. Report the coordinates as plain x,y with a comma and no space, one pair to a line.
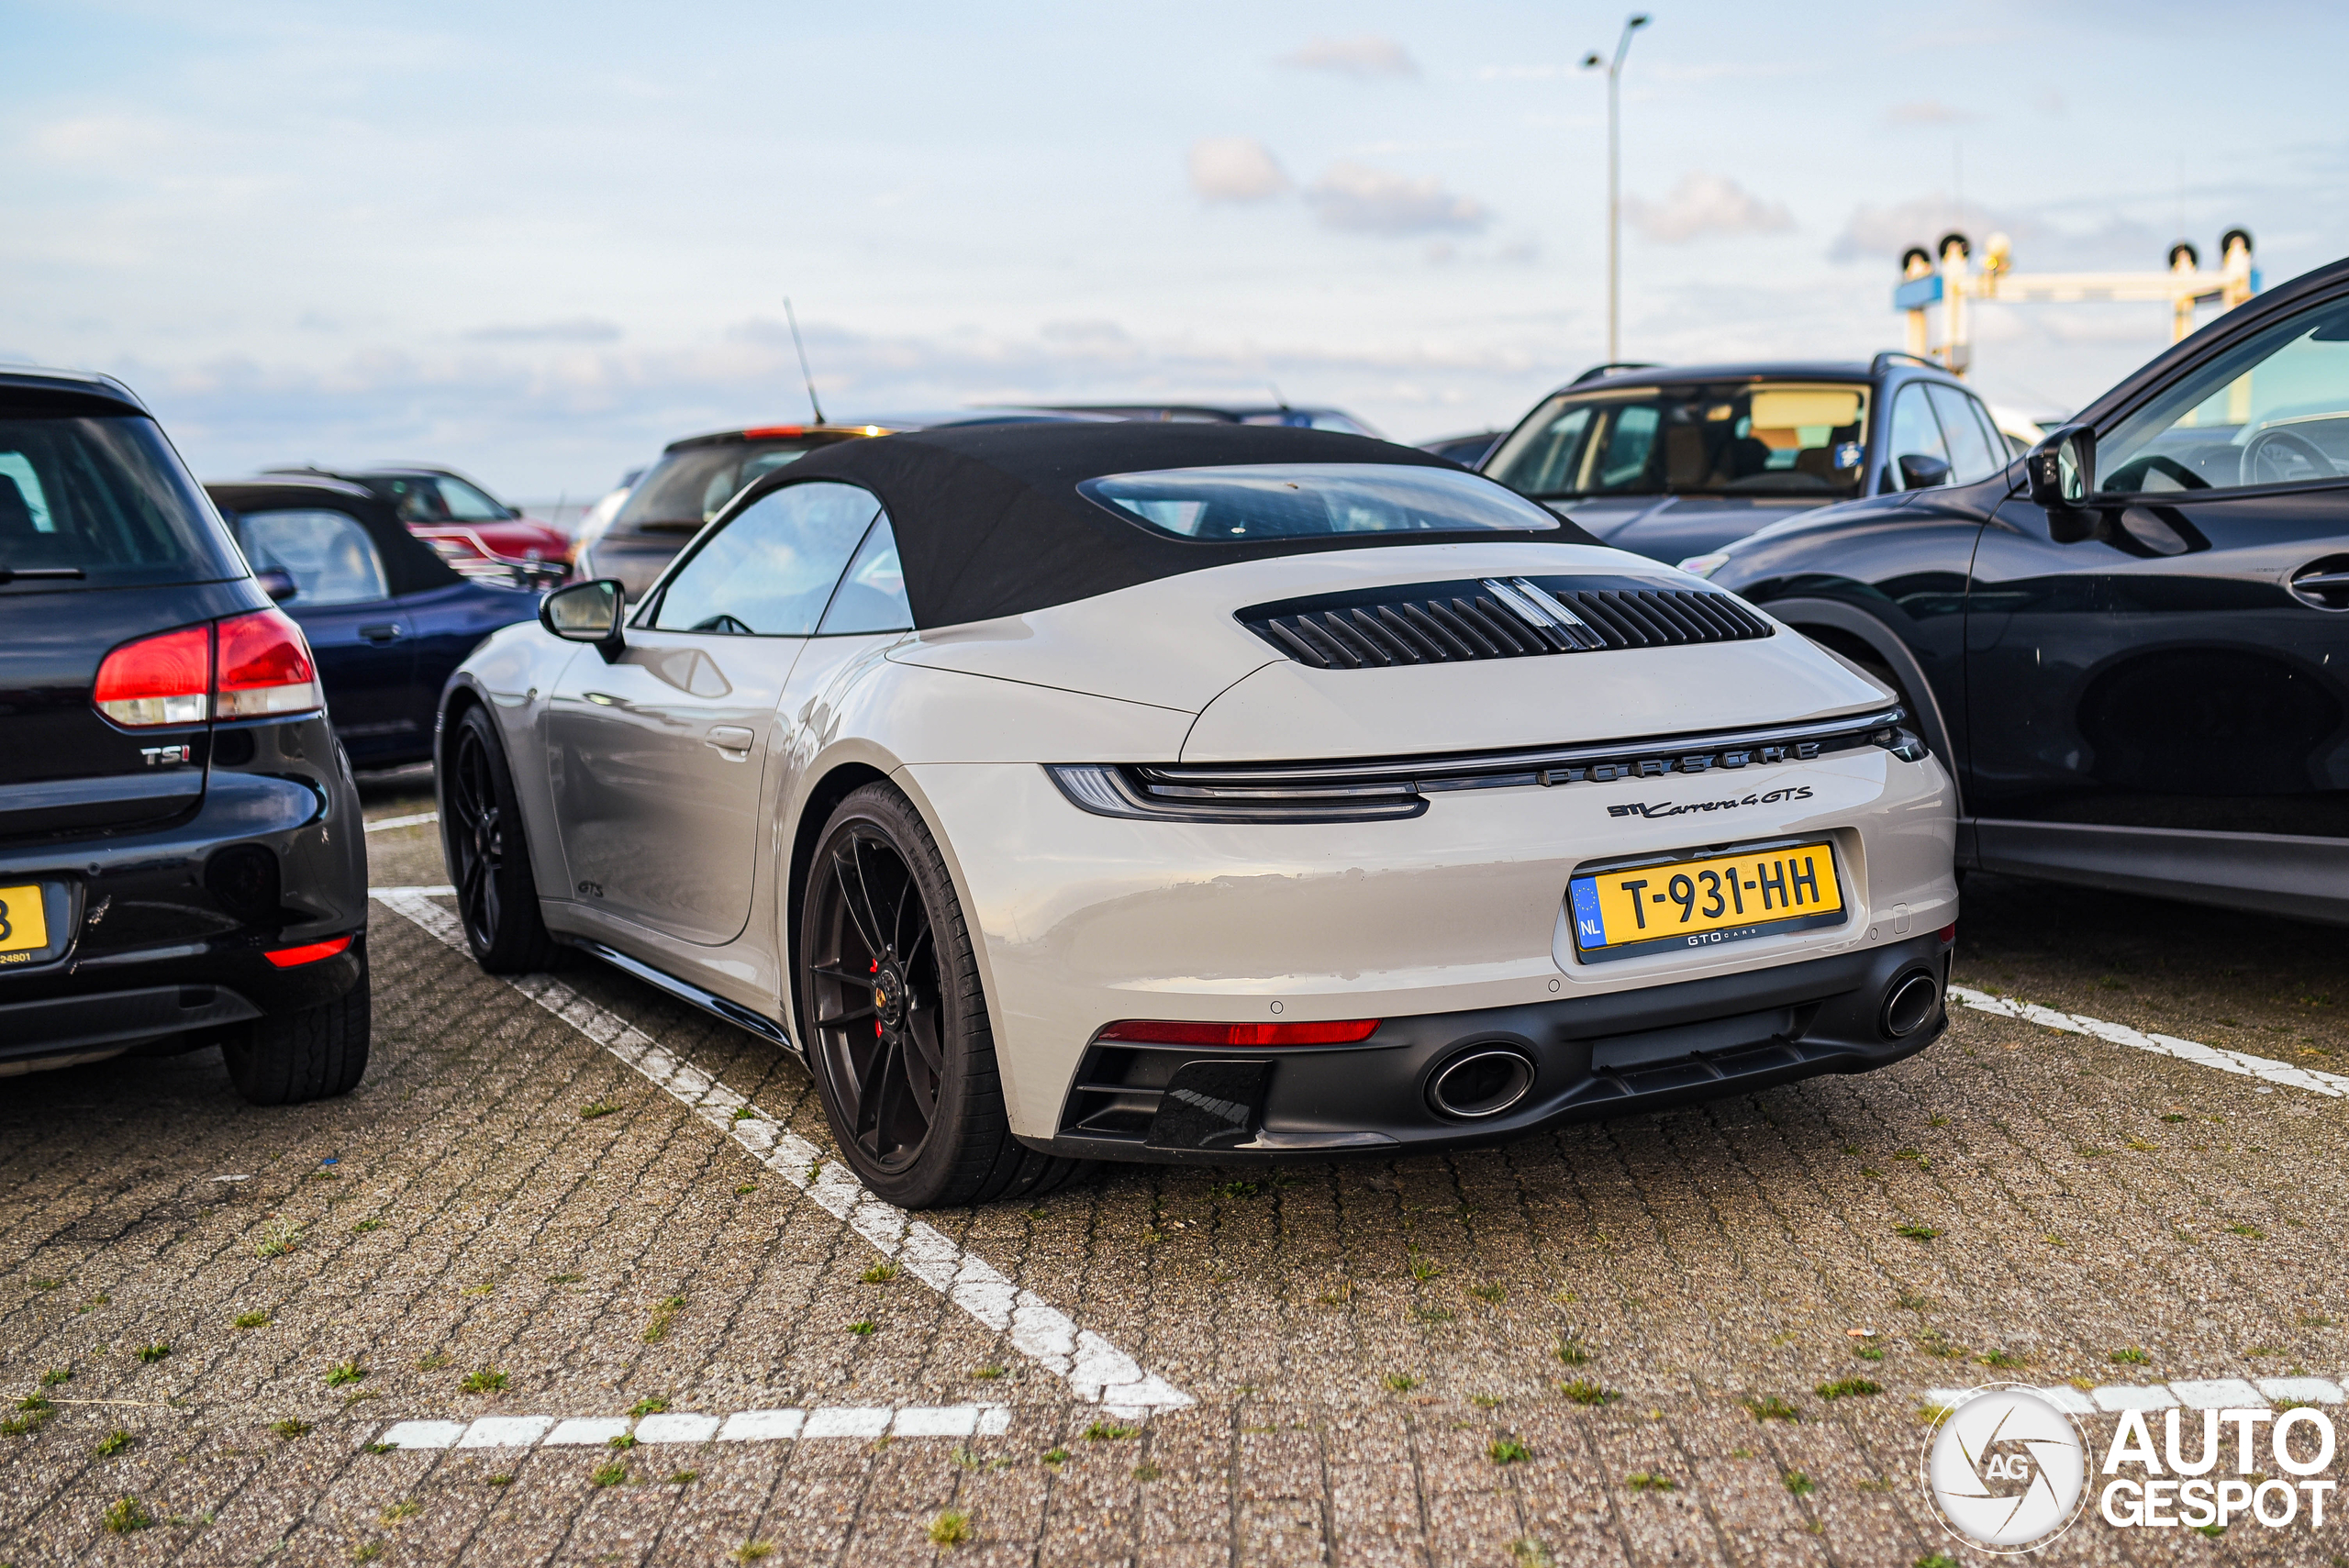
1589,1058
1086,919
170,927
65,1030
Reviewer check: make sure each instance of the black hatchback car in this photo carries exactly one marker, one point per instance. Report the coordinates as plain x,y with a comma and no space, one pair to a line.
180,856
2133,642
1674,463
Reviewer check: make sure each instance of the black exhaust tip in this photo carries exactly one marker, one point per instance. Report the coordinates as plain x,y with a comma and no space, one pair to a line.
1909,1004
1481,1080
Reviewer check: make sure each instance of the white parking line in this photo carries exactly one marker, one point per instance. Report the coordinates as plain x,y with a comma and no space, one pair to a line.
2267,1070
2193,1394
743,1425
1096,1370
381,823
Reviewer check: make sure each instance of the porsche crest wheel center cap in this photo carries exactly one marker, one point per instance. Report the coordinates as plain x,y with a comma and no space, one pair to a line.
889,996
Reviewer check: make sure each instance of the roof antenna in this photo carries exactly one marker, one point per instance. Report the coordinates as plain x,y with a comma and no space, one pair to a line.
1277,398
805,374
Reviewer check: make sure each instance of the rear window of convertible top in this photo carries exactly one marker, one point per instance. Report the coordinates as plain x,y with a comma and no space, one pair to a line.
1262,500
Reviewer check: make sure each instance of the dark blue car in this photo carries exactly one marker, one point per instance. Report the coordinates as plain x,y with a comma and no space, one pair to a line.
387,618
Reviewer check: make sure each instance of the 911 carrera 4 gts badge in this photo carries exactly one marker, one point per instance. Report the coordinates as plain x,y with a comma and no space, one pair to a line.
1666,808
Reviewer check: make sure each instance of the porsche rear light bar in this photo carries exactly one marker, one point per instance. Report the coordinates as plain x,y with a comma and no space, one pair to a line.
1373,788
248,666
1168,1031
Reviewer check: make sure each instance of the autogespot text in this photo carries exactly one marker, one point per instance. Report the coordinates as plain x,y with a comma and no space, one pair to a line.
2230,1472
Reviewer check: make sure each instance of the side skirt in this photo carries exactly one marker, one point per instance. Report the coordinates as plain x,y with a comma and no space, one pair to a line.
2302,878
685,991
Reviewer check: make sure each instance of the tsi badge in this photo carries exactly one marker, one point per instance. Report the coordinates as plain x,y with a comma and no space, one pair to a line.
2007,1471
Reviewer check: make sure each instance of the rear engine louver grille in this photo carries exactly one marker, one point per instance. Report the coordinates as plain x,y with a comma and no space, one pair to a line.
1497,618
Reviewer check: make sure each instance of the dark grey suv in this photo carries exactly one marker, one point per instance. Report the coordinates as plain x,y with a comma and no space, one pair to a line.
1678,462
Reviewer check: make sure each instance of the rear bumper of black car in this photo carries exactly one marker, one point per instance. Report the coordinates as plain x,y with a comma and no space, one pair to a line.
1581,1060
170,927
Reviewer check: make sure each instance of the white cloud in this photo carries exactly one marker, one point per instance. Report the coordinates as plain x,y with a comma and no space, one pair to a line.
1235,169
1363,200
1928,111
1706,204
576,329
1365,57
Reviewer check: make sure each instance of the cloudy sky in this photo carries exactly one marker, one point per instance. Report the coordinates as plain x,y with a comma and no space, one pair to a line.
538,241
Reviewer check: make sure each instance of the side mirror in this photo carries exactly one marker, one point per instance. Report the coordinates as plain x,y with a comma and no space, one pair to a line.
277,582
587,612
2060,470
1919,472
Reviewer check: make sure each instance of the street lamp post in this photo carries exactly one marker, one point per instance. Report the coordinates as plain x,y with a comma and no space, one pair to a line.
1614,70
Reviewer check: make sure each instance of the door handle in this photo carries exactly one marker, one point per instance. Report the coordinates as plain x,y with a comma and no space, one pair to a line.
2324,583
387,632
731,741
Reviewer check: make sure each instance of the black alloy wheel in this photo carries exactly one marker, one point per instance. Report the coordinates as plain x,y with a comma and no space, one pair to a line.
896,1020
489,860
873,982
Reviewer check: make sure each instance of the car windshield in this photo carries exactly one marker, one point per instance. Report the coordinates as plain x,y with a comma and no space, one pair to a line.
438,498
1744,439
687,488
102,502
1299,500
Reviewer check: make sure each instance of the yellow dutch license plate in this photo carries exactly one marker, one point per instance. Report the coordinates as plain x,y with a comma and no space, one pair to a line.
24,924
1700,903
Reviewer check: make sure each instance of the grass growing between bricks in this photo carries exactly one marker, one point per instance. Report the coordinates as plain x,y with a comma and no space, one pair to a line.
125,1515
656,1327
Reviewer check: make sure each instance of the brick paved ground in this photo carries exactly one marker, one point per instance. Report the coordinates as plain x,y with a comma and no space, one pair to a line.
1362,1339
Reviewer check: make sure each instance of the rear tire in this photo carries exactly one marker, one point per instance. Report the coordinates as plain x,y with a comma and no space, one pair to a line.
314,1054
488,856
896,1018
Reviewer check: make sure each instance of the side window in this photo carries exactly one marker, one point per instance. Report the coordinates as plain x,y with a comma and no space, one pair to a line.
871,594
328,554
417,500
2273,409
769,572
1630,437
1919,457
1545,460
1971,455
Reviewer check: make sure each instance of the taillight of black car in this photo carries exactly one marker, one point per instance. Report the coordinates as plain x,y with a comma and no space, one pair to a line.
249,666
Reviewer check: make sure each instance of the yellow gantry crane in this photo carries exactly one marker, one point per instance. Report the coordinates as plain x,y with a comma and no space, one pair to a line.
1954,280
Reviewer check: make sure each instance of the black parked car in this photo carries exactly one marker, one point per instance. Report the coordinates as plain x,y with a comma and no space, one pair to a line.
1674,463
387,618
2134,641
180,860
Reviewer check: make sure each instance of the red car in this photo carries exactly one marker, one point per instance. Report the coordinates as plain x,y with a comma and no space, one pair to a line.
475,532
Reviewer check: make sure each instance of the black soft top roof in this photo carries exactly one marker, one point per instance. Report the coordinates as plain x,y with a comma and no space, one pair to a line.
410,565
989,522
